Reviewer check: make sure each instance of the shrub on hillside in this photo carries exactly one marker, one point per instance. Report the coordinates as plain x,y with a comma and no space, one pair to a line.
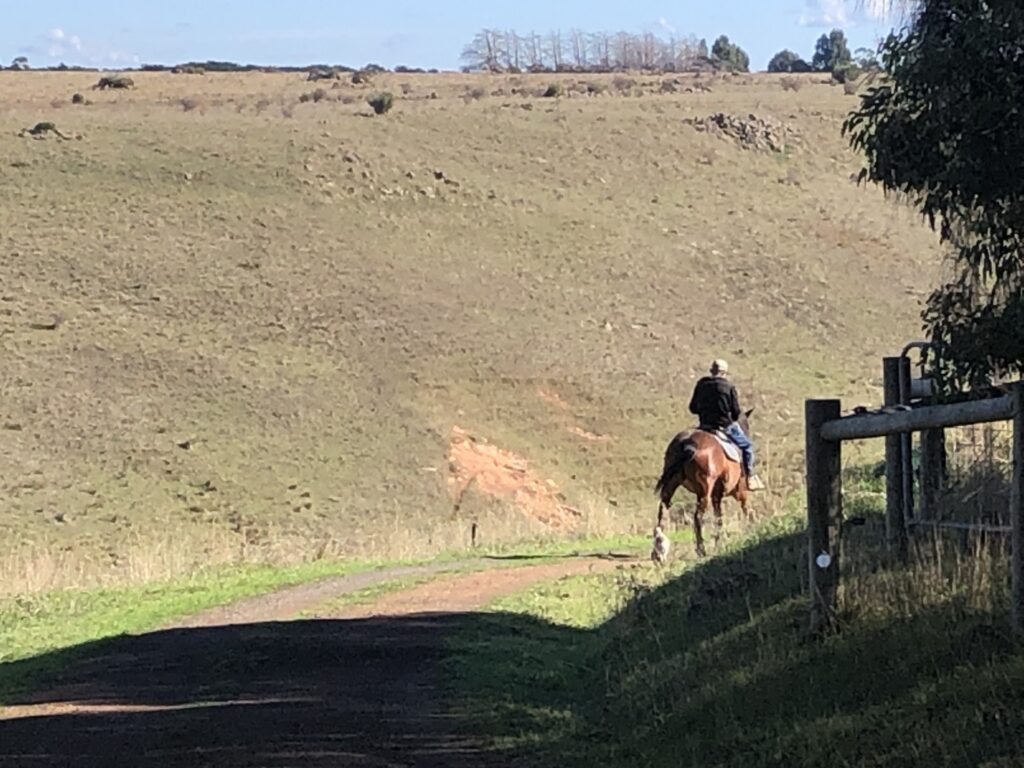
553,91
315,96
623,83
381,103
847,74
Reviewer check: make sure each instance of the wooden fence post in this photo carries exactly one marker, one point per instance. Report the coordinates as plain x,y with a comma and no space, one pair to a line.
895,525
933,472
1017,516
907,445
824,512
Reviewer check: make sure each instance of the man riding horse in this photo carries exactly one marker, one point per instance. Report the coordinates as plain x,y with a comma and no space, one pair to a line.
717,405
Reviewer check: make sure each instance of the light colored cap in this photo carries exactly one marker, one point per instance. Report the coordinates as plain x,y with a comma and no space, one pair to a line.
719,366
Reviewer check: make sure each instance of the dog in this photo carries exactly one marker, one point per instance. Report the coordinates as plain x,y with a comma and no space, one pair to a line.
659,553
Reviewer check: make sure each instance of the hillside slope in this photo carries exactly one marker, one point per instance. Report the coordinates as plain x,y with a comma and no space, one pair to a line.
270,316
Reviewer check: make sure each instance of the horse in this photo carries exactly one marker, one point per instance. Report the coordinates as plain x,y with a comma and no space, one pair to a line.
697,462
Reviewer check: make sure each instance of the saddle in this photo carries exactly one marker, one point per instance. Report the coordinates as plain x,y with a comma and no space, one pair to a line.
732,451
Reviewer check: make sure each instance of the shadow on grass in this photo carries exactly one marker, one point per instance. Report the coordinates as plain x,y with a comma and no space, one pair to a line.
715,669
712,669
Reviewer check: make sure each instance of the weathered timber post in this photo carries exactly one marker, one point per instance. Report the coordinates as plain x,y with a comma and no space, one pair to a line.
1017,515
933,472
895,525
824,513
907,446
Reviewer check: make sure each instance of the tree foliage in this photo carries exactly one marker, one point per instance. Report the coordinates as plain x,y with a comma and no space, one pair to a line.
729,56
943,130
787,61
832,52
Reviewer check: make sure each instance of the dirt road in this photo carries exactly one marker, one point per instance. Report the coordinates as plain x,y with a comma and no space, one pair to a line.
244,686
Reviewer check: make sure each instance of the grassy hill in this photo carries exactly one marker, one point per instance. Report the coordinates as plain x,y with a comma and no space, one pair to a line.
238,326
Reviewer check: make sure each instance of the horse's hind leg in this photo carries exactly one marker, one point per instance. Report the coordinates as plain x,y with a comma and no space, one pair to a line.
717,504
703,503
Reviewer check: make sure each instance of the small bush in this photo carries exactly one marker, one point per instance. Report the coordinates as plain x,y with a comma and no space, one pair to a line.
189,104
315,96
596,89
623,83
381,103
406,88
262,105
348,99
78,99
791,84
321,74
476,93
553,91
844,75
361,78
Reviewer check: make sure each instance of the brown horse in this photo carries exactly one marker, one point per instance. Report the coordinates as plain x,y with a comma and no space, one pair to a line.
697,462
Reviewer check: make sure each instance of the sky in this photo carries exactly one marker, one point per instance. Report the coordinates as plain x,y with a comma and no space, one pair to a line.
120,33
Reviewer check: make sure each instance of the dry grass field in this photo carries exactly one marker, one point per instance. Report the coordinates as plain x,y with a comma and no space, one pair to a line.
238,325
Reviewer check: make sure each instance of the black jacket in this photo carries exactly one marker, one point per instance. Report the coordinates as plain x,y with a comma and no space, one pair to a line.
716,403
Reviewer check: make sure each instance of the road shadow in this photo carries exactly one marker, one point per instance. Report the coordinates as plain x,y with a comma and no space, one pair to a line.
713,668
309,693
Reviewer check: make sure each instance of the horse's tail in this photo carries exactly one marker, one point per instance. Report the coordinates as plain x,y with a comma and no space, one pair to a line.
680,453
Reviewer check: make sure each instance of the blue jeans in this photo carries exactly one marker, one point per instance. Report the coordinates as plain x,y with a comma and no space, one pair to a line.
738,436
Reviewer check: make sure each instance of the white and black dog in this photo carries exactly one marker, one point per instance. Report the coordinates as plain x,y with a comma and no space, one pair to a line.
659,553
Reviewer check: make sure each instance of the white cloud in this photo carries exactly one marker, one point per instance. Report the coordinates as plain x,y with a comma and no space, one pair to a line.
59,44
848,13
825,13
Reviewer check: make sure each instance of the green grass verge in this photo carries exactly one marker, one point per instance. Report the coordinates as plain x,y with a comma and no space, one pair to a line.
711,665
34,626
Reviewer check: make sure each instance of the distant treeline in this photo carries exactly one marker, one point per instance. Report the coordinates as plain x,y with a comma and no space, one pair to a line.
495,50
21,65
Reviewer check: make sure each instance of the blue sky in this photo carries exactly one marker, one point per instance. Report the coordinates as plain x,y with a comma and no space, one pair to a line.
111,33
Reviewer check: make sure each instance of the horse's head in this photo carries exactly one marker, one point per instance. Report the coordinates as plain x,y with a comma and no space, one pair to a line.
744,421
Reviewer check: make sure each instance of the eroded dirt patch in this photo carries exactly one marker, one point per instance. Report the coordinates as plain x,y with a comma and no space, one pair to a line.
475,464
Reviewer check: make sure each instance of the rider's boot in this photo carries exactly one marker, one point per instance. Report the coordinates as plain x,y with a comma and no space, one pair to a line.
754,483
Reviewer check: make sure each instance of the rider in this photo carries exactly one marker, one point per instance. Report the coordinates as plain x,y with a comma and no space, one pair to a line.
716,403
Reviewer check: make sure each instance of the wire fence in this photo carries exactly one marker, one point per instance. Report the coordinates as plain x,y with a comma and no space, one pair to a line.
979,468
